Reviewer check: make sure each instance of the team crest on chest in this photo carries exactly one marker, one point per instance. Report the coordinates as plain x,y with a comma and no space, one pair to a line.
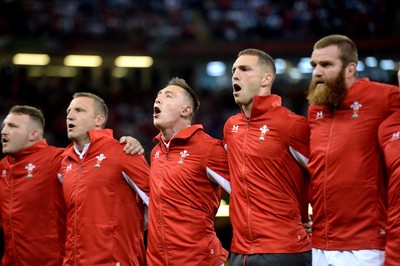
69,167
100,159
3,173
356,107
263,131
183,154
30,168
157,154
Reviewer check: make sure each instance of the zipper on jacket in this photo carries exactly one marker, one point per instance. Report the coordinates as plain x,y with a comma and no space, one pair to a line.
10,214
76,210
326,174
245,185
160,213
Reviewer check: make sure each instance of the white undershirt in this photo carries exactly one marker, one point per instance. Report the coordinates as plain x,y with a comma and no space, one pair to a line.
81,153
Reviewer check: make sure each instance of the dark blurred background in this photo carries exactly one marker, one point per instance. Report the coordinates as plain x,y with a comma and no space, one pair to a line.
195,40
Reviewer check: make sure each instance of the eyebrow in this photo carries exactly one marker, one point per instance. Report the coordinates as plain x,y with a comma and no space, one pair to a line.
241,67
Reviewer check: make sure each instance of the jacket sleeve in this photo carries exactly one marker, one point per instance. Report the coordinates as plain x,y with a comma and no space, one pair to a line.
137,169
217,165
299,137
299,146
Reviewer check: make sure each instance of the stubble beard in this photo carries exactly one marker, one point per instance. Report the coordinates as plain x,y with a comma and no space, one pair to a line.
330,93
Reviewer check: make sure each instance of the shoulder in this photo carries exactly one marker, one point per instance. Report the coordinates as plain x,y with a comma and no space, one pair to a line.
55,150
203,140
289,118
234,119
362,84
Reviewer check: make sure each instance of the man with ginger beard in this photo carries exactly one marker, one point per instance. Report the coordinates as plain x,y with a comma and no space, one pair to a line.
348,184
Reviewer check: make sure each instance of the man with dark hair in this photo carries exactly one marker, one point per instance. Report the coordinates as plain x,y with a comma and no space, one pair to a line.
183,200
267,147
348,182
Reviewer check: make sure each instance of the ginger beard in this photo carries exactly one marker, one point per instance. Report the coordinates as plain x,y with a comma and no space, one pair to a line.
330,92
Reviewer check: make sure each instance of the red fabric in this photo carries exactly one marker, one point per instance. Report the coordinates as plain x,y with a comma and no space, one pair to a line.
32,207
348,185
105,218
269,200
389,138
184,202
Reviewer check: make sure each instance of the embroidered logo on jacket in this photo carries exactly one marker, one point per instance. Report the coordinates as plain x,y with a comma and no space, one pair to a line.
157,155
30,168
100,159
264,129
356,106
3,173
69,167
235,128
395,136
183,154
319,115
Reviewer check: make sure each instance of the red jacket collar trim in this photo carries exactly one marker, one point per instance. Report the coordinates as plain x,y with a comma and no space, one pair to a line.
262,104
35,147
183,134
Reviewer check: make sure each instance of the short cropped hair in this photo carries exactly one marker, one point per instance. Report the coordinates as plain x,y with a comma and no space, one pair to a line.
175,81
100,108
34,113
263,58
347,48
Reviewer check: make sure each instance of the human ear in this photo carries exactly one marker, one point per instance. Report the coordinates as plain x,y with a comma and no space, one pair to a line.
100,120
351,70
186,110
34,135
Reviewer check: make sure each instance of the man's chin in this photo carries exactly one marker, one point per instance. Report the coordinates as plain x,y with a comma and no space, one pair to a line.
238,101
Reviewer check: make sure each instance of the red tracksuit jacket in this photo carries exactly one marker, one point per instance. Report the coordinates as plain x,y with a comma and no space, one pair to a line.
389,139
32,207
105,217
348,183
269,200
184,202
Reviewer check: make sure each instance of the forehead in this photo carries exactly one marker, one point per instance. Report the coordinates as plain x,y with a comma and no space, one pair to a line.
171,89
16,118
329,53
81,102
246,60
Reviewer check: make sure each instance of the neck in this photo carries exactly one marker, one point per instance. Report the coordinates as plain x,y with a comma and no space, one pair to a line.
169,133
81,142
247,109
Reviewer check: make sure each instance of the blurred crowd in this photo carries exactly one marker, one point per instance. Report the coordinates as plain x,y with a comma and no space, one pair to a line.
156,22
176,20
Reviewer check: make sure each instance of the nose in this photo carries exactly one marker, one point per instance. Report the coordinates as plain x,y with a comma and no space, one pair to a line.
69,116
235,75
317,71
3,130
